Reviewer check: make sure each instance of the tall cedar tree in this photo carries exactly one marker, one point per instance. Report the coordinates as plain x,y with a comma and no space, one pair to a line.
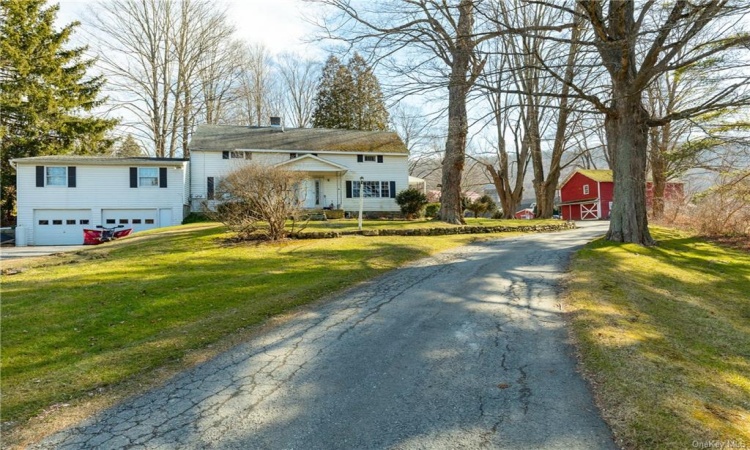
44,89
349,97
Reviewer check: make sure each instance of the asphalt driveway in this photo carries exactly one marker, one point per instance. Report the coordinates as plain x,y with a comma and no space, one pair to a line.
466,349
35,251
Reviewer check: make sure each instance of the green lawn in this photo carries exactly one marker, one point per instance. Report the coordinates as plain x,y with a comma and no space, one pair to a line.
664,334
75,323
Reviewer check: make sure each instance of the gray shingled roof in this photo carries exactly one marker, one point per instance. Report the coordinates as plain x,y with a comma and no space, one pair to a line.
223,138
98,160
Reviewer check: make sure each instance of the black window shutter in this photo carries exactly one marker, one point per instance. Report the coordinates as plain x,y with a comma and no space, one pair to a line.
71,177
380,158
162,177
39,176
360,158
349,189
134,177
393,189
224,155
210,188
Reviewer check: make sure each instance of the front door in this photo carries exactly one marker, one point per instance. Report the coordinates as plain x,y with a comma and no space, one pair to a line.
313,196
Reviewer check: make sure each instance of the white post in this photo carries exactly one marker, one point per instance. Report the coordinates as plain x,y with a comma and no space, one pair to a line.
361,200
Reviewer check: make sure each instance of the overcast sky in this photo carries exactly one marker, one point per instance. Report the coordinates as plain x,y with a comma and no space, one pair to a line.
276,23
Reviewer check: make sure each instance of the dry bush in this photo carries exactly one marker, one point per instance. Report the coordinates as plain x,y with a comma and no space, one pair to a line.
258,201
725,208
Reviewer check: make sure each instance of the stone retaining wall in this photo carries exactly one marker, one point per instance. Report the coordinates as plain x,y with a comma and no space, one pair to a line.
436,231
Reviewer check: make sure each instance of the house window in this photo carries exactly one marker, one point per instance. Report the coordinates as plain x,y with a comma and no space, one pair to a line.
110,221
83,222
240,155
70,222
136,221
149,221
210,186
44,222
370,158
57,176
371,189
385,191
585,189
148,176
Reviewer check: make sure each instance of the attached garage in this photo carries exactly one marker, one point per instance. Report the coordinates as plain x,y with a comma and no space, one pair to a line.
137,219
60,226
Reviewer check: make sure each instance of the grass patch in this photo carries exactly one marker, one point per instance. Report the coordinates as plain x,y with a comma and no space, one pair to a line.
664,335
76,323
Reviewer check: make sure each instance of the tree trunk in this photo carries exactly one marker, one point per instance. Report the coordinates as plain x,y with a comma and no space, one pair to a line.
627,136
458,127
509,199
657,158
455,146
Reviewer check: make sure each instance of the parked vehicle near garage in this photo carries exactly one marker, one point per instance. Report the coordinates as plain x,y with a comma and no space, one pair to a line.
104,234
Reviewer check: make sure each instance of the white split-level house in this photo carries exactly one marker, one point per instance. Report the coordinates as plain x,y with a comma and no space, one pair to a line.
59,196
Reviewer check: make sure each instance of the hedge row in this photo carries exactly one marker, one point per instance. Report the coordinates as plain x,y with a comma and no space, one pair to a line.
437,231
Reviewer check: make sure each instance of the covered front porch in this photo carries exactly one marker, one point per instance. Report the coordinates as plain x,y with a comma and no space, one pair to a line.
323,187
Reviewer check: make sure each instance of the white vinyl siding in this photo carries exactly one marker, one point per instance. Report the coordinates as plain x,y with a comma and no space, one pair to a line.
98,187
204,164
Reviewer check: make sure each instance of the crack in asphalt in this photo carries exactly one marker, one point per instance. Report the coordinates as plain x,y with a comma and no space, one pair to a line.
418,358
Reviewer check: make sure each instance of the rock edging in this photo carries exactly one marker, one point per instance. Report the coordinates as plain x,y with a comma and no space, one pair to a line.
436,231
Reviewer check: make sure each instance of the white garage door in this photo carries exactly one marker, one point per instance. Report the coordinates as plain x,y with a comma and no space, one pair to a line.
137,219
61,226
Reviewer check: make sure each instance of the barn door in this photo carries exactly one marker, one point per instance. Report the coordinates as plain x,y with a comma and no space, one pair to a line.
589,211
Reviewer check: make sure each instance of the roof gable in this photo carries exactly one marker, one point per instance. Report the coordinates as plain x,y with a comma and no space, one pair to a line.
311,163
223,138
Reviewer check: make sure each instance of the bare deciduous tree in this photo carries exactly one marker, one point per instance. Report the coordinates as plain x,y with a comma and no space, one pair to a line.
299,81
439,43
151,52
637,45
254,91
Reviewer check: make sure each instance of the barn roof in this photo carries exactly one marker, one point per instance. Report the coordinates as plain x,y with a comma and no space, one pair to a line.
601,176
223,138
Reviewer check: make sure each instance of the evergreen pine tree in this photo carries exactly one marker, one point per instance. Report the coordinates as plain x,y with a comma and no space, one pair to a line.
44,92
349,97
368,108
129,148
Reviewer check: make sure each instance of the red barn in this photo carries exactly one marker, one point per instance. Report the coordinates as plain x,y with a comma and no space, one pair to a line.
526,214
587,194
